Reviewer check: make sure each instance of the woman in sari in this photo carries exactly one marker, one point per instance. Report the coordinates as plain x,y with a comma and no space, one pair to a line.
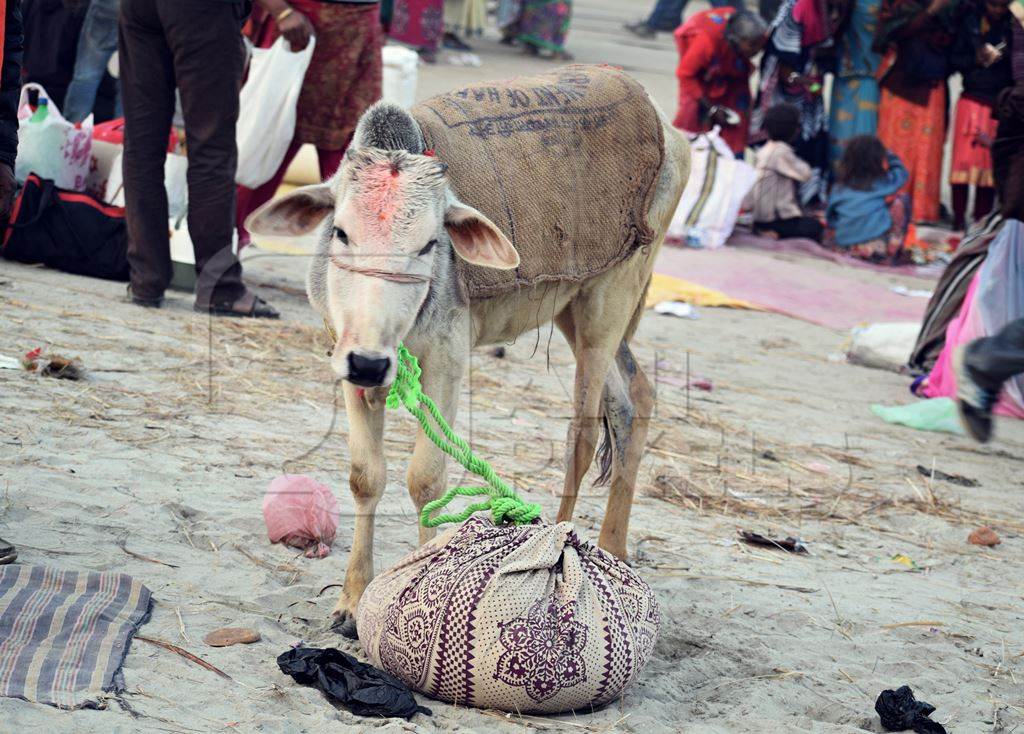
854,108
539,26
344,77
417,23
915,39
790,74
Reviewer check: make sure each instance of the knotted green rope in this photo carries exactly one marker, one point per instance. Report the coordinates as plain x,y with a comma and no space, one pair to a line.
504,504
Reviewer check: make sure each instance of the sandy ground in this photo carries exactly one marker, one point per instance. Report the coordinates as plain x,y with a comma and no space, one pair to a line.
156,464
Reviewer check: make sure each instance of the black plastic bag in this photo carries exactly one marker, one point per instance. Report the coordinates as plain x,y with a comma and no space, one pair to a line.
899,711
361,688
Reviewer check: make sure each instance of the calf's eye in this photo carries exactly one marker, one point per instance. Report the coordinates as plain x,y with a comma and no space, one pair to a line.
339,233
429,247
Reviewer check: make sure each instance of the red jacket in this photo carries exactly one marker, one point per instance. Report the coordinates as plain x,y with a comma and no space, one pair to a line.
711,71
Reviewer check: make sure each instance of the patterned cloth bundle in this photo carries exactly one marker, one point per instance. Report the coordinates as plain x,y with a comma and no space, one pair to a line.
521,618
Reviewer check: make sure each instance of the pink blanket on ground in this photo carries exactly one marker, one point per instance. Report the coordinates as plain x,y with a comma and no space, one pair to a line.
798,286
966,327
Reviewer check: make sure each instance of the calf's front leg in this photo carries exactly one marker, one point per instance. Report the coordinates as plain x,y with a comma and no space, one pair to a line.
367,478
427,475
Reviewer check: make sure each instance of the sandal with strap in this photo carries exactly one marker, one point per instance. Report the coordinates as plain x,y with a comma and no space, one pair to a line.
8,553
248,306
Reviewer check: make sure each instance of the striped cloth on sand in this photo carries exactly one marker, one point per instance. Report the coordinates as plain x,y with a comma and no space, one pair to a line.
64,634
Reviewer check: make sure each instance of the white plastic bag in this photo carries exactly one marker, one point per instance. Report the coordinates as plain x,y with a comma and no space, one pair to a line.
266,119
713,195
52,147
884,346
175,182
400,73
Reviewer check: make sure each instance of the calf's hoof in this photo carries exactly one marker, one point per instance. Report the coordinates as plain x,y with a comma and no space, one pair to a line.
345,625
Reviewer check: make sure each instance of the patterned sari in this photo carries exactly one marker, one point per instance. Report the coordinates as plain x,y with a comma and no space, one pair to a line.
797,30
854,109
419,23
912,107
544,24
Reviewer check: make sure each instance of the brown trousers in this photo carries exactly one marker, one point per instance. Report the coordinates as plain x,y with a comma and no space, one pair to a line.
196,46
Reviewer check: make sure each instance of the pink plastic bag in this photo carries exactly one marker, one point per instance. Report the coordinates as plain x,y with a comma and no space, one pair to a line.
302,513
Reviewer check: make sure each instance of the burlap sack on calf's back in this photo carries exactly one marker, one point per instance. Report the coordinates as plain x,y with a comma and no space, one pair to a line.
519,618
565,163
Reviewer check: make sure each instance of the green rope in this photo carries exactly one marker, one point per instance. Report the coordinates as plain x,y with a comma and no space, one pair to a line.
504,504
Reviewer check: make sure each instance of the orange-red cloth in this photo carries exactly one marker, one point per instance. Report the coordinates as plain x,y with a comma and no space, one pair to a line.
3,32
915,133
710,70
973,133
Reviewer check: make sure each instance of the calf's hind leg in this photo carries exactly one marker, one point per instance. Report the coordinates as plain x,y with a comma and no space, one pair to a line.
628,405
367,478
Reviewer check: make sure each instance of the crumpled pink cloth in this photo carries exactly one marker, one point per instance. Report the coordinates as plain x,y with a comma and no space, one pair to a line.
301,512
966,327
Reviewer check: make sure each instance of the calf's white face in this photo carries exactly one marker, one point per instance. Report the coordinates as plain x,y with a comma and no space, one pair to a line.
392,214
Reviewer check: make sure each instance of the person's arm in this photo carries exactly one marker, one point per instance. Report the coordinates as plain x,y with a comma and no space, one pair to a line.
919,22
695,54
831,215
790,165
10,93
292,24
895,177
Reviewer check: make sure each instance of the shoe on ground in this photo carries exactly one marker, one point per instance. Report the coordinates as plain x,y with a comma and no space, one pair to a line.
640,29
249,305
453,42
144,302
974,401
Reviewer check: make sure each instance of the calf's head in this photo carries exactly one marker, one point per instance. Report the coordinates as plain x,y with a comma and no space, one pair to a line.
387,218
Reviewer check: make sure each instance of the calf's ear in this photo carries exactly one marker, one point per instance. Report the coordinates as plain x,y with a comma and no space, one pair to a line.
293,214
478,240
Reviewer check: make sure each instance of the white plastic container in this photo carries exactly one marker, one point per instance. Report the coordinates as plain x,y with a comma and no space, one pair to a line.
401,68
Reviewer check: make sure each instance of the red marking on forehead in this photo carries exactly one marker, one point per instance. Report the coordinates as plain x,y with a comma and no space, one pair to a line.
382,196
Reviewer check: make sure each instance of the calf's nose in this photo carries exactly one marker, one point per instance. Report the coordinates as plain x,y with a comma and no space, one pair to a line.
367,371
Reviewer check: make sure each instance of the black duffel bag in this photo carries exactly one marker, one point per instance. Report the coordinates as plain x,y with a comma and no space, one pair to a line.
67,230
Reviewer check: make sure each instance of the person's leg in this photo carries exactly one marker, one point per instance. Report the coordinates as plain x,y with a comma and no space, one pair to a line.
96,44
330,160
960,192
147,85
807,227
666,16
205,41
249,200
981,369
984,200
995,359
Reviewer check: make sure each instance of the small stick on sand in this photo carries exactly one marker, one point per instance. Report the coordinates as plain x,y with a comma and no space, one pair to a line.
181,626
738,580
185,654
122,545
921,623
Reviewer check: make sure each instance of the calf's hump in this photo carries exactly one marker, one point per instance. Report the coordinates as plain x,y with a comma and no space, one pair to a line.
564,163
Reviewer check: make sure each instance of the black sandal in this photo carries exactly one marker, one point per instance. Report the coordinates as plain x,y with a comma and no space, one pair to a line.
249,306
144,302
8,553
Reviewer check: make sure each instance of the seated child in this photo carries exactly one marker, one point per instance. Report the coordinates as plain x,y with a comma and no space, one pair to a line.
773,199
866,216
